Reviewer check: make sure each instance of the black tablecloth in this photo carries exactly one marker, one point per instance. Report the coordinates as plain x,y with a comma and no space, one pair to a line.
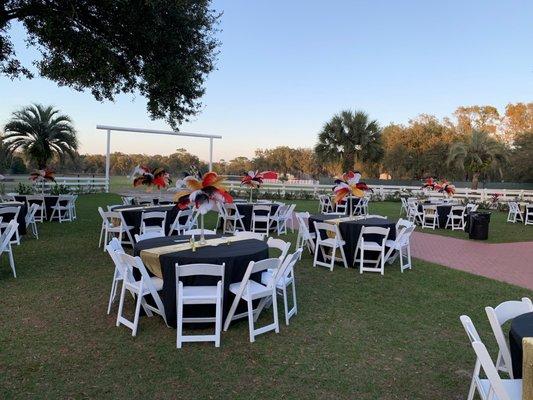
350,231
521,327
442,210
236,256
21,217
49,202
133,217
245,210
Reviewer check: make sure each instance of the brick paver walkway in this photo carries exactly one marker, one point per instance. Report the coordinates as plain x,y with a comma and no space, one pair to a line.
506,262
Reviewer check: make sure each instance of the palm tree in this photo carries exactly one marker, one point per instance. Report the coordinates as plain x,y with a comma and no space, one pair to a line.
350,138
476,155
40,133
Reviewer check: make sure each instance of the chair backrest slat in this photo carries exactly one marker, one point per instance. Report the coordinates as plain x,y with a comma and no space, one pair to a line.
200,269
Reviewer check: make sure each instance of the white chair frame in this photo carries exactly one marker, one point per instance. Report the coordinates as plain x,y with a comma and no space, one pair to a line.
498,316
187,295
249,290
332,243
430,217
514,213
161,216
304,237
6,237
15,211
140,288
493,385
456,218
379,263
261,218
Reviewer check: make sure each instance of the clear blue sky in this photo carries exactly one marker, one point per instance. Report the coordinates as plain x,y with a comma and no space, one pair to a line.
285,67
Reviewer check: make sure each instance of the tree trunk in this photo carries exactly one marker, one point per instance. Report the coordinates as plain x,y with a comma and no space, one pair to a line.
475,180
348,163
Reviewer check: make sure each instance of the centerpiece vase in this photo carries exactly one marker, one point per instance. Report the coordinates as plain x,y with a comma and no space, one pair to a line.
202,237
351,206
251,194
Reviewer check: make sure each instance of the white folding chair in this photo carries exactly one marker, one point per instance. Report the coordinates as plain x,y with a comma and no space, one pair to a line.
360,205
72,206
14,213
250,290
471,207
41,214
208,294
112,224
493,387
498,316
333,243
62,210
179,227
514,213
281,246
456,218
148,235
231,218
261,215
283,281
146,285
528,220
6,237
30,221
413,215
250,235
430,217
324,204
283,214
305,237
114,248
156,221
404,207
372,246
127,200
341,207
400,247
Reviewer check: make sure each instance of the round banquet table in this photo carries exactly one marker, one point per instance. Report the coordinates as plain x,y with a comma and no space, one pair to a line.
245,210
236,257
21,217
351,230
443,210
133,214
521,327
49,202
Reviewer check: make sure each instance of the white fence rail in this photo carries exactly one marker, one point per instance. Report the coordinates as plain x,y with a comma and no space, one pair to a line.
74,183
383,191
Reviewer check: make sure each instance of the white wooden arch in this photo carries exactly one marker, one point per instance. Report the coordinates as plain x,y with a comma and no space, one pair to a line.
109,129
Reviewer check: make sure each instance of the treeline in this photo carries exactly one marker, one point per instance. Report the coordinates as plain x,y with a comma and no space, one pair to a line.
420,148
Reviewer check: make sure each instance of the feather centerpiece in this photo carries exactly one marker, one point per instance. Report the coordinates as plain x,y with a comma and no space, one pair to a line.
254,179
442,186
158,177
43,175
349,184
204,193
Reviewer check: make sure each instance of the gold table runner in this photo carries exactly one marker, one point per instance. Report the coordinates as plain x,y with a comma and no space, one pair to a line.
336,221
527,368
150,257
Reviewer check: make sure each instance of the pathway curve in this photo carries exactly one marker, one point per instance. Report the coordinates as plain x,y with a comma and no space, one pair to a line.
506,262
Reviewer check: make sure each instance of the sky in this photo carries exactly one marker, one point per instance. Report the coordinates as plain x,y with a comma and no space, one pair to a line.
286,67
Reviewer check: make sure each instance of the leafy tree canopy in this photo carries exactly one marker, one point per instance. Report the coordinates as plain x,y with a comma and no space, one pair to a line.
162,49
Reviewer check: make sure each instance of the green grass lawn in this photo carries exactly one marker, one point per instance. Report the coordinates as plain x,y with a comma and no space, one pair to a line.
355,336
